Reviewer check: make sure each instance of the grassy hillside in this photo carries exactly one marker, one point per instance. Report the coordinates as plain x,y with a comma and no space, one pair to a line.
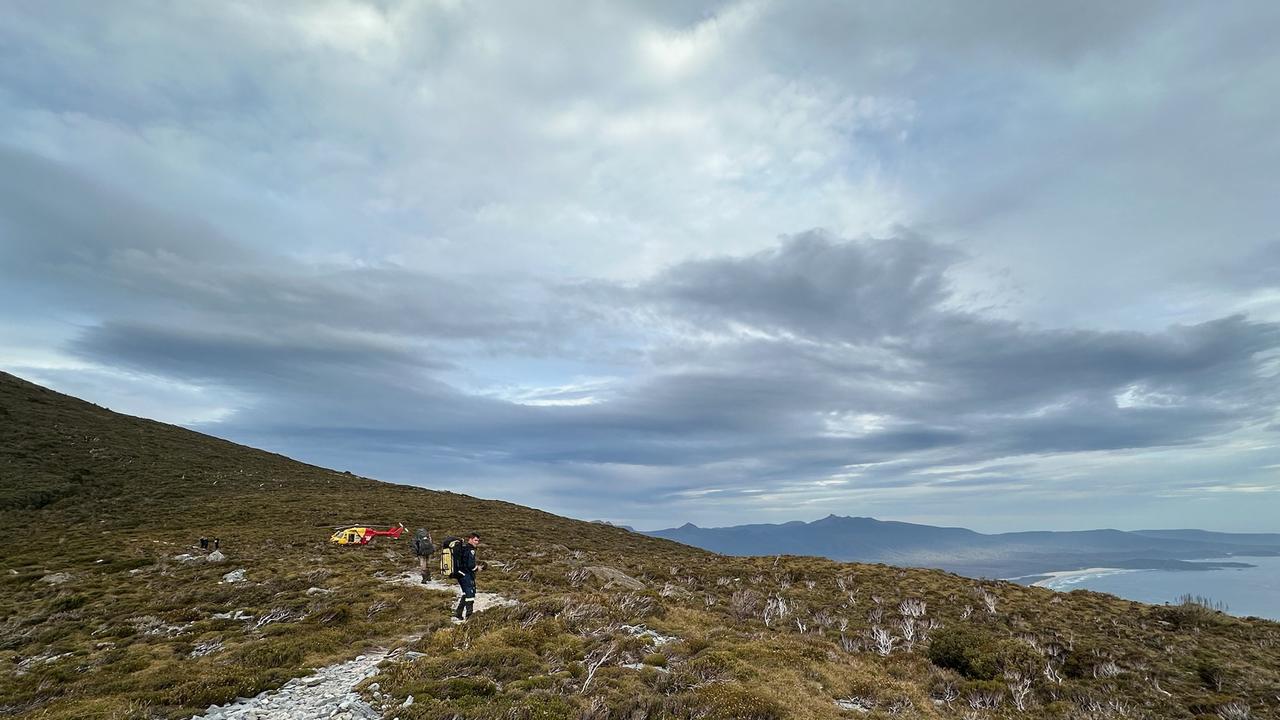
101,620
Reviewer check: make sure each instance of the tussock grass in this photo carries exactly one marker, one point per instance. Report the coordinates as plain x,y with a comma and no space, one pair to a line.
99,620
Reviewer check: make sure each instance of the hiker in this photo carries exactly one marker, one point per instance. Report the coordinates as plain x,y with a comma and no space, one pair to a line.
217,543
204,543
423,546
465,570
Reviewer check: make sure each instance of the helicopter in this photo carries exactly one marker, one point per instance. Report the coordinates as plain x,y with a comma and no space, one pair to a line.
364,535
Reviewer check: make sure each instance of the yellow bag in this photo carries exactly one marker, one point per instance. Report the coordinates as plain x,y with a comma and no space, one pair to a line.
448,548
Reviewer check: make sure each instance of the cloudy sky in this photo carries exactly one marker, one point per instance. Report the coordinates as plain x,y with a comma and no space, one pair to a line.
1003,265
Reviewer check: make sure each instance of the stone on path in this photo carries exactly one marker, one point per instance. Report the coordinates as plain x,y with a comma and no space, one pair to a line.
330,691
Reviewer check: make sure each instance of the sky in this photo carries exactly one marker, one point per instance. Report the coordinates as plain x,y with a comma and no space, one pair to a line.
1000,265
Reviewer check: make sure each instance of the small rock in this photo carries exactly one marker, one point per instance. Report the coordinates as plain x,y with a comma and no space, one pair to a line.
237,615
57,578
318,591
642,666
216,556
234,576
654,638
856,704
612,577
407,701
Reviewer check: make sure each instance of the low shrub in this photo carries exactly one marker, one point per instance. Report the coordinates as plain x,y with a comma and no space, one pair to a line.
708,665
502,663
66,603
208,689
966,650
731,701
1212,673
979,655
1082,660
272,653
1210,704
455,688
1192,612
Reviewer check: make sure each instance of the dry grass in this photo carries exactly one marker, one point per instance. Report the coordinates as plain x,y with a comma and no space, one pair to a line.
110,500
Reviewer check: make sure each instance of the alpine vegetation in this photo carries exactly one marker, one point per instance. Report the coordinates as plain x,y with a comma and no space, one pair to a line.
111,608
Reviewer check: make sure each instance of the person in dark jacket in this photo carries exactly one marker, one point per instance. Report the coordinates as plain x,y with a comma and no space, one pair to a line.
423,547
465,571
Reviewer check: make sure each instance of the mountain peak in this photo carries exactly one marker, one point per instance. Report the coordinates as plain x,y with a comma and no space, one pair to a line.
158,488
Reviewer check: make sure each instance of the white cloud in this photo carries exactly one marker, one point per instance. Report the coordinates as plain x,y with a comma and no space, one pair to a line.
583,391
439,187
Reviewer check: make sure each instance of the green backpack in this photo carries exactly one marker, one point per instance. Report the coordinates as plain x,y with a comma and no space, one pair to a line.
422,545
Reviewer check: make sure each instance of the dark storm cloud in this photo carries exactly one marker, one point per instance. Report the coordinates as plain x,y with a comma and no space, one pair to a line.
425,242
71,239
825,354
845,317
814,287
998,364
246,359
937,383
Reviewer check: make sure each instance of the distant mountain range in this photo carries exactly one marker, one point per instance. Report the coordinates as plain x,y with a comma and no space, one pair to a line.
109,609
1003,555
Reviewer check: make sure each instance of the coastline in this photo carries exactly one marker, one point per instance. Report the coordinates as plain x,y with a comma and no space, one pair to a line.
1058,578
1064,579
1252,591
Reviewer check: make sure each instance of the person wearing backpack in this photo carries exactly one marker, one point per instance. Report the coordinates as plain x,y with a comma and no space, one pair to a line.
464,569
423,547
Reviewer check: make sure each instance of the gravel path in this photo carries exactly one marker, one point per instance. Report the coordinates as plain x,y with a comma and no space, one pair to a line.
484,600
326,694
330,692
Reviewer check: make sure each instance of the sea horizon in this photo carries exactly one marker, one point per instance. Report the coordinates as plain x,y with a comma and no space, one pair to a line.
1244,592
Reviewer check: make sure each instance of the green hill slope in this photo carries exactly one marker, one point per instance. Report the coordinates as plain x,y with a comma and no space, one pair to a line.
101,617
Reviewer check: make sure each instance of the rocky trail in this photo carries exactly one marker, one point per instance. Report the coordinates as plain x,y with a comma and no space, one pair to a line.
330,691
484,600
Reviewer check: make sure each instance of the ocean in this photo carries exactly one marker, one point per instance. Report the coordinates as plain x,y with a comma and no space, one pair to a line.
1245,591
